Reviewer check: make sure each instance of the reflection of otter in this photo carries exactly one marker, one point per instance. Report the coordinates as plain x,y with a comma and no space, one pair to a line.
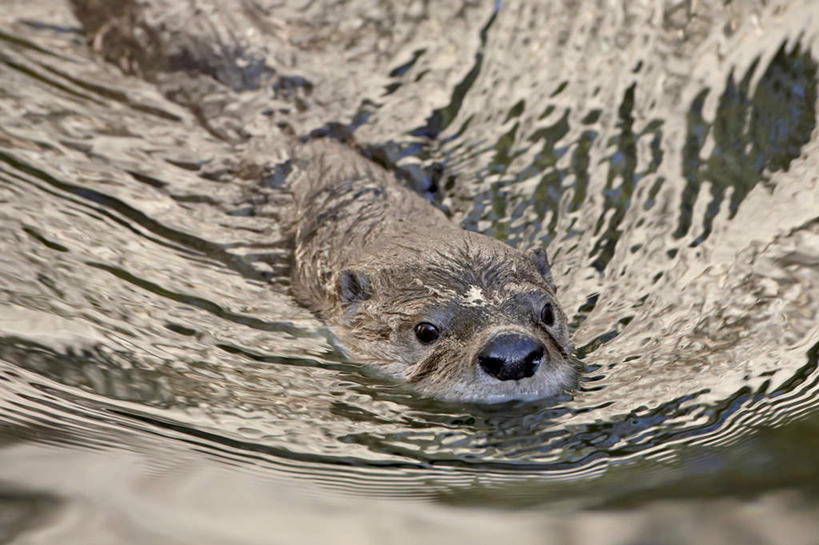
459,314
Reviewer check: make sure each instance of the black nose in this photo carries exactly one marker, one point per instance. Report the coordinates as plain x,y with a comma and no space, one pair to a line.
511,356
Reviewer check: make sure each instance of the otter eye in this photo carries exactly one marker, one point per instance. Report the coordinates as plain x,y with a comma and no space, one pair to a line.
427,333
547,315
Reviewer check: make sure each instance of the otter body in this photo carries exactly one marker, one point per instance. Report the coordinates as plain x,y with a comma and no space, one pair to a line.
460,315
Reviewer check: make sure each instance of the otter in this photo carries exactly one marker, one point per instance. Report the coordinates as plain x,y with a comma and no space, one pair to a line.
457,314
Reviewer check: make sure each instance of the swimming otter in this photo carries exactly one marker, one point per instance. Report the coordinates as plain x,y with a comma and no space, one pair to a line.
458,314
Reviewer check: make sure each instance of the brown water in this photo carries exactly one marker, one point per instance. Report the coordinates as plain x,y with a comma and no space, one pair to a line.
159,385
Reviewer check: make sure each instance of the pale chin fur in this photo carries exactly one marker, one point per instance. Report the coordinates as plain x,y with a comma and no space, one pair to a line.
484,389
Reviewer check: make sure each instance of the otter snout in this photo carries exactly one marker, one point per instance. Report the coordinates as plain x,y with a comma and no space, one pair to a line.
511,356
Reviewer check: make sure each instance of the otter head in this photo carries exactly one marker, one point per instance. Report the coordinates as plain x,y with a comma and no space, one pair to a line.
476,321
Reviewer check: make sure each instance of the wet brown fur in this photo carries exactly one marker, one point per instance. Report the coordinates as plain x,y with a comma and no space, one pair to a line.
352,217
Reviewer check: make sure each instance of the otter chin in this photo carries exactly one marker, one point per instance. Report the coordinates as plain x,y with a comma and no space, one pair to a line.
457,315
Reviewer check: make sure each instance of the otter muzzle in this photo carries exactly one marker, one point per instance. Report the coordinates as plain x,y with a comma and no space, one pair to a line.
511,356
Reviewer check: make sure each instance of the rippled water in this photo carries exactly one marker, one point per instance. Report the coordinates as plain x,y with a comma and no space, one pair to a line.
666,154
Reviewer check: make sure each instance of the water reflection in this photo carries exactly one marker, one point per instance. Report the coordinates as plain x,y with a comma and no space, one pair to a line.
144,272
755,133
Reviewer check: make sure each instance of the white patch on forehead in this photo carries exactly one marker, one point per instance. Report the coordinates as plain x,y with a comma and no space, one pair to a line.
474,297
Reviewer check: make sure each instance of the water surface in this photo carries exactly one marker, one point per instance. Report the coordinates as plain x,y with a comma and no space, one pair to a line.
159,382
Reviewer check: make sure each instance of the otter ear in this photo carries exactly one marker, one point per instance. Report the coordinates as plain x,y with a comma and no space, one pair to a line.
541,261
353,287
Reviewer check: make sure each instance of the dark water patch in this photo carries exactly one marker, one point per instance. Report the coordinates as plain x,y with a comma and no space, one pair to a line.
19,41
32,73
198,302
756,132
44,241
23,511
441,118
112,94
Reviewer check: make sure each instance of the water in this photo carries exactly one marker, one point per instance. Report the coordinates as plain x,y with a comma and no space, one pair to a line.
159,384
